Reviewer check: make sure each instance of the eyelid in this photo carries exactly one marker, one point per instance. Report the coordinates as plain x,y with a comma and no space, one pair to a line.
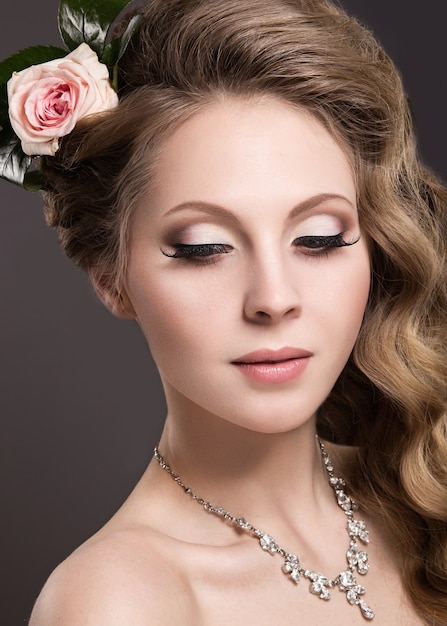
328,241
322,244
195,232
196,251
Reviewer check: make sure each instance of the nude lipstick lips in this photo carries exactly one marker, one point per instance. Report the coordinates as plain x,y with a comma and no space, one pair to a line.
273,366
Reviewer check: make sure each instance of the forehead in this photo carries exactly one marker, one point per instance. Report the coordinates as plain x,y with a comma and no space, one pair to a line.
238,149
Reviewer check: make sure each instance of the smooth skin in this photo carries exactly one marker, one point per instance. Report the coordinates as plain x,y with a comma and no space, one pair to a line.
239,247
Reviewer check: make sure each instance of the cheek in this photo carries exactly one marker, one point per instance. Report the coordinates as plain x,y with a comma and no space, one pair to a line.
349,297
339,294
175,317
359,284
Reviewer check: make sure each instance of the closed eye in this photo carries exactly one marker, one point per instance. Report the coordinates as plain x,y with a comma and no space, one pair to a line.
198,253
320,245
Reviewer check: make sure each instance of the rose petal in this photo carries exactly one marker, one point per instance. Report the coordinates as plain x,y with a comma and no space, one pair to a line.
46,101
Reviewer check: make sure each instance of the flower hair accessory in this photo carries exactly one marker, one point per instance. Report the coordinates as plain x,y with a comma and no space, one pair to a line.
46,90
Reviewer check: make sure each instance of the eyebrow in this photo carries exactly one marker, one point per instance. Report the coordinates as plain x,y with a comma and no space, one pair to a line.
311,203
205,207
228,216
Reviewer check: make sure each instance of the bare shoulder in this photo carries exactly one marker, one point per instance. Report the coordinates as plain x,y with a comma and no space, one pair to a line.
122,578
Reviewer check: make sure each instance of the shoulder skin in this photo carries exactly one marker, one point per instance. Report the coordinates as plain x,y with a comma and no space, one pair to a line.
121,579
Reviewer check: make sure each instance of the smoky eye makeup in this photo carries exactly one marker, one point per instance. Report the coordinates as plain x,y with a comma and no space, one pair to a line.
190,251
325,233
198,243
325,243
204,242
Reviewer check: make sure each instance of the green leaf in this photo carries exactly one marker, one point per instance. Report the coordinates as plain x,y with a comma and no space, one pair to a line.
13,161
34,180
117,47
27,57
88,21
4,115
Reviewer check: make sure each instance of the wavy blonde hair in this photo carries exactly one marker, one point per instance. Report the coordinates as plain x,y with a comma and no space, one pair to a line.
390,400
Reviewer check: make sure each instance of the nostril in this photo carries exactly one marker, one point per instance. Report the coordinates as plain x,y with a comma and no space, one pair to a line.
270,298
262,314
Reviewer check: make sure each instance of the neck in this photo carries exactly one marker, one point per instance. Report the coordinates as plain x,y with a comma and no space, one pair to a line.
274,487
247,472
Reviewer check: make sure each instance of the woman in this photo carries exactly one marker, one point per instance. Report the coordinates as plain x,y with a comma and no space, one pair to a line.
255,202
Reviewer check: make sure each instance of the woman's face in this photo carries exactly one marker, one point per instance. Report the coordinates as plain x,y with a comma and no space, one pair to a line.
239,275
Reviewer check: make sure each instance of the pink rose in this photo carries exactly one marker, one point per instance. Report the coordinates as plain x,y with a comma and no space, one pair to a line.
47,100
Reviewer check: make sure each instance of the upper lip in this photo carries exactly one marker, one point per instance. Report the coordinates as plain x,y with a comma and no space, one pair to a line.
266,355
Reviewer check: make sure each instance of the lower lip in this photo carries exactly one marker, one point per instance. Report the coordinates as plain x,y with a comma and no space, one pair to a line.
278,372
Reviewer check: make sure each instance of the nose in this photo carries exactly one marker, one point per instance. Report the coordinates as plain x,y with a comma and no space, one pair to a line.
272,292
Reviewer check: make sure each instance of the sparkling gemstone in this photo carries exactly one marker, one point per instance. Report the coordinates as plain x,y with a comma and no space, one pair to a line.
351,596
319,585
362,566
295,575
357,528
366,610
242,523
324,593
268,543
292,562
292,567
343,500
337,483
346,580
358,559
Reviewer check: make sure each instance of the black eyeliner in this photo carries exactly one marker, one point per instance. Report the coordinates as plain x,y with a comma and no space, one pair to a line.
185,251
314,242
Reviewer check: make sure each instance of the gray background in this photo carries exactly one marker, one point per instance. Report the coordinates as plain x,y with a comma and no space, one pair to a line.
80,401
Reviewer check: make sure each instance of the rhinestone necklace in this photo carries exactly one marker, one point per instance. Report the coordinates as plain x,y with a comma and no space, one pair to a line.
320,585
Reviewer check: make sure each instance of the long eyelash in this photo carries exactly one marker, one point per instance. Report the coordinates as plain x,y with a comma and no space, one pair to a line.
315,245
187,251
322,244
